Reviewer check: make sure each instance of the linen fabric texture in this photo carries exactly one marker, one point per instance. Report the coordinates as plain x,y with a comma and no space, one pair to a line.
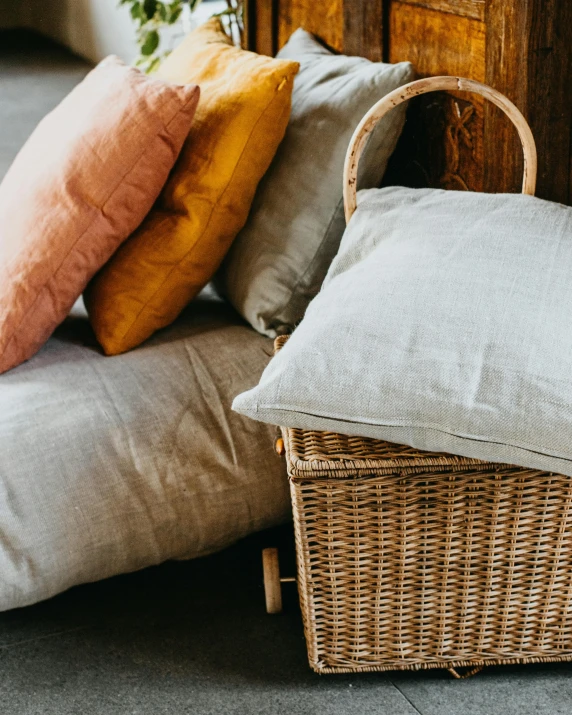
241,119
83,182
280,258
444,324
108,465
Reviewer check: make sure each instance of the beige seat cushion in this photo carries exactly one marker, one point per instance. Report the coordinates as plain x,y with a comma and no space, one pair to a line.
108,465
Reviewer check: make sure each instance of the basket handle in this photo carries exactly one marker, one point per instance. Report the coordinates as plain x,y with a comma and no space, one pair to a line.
422,86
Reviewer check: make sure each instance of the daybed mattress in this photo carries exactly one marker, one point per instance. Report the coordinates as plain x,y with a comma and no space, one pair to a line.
111,464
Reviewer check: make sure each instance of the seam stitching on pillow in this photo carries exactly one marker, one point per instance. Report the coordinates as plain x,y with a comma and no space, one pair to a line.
224,191
100,209
412,425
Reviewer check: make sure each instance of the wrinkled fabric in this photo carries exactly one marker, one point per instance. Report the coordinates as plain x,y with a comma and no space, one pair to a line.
108,465
444,324
280,258
81,184
240,121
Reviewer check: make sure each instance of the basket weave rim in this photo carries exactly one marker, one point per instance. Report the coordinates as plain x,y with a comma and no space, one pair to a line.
330,454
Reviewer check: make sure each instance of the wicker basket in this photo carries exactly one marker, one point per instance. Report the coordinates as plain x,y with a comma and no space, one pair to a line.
411,560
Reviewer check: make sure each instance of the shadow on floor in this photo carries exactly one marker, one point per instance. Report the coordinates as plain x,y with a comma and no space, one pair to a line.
194,637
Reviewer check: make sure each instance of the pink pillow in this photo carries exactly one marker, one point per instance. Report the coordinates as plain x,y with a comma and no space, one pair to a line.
82,183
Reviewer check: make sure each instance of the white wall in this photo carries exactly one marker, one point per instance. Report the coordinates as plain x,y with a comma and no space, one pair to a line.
93,28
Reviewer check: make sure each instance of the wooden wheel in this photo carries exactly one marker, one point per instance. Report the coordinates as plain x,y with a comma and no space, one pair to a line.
272,585
273,581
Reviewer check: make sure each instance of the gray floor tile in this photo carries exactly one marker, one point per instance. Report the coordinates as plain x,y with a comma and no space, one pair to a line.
524,690
181,638
92,673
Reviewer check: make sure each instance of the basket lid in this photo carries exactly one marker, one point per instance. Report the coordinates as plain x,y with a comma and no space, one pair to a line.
328,454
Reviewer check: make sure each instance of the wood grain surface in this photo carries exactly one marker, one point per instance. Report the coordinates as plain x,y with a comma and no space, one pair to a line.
522,48
442,145
464,8
324,18
530,61
364,29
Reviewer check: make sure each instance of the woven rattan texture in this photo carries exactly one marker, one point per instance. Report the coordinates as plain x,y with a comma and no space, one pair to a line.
435,570
330,454
413,560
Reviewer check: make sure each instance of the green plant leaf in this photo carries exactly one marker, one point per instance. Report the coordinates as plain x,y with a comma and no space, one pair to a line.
151,16
153,65
150,43
137,12
175,14
150,8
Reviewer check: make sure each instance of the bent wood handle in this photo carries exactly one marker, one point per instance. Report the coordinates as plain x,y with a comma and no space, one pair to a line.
422,86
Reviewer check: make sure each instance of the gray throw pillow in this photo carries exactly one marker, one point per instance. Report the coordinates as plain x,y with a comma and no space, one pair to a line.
444,323
280,258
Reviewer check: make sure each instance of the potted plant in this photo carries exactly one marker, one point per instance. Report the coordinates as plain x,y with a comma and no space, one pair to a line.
153,16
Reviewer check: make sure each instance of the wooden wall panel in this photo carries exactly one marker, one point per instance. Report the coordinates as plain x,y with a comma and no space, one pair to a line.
364,29
549,106
437,42
324,18
523,48
464,8
506,71
262,26
529,58
442,145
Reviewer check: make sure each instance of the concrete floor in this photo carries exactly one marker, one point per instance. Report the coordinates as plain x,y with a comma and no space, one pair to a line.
193,637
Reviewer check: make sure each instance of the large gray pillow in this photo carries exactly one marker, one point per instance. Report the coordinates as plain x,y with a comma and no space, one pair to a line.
110,464
445,323
280,258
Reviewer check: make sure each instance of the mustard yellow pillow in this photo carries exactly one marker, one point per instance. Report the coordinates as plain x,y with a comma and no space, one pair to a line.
240,120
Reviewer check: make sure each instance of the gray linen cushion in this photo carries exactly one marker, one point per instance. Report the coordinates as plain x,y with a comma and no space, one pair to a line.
445,323
280,258
108,465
